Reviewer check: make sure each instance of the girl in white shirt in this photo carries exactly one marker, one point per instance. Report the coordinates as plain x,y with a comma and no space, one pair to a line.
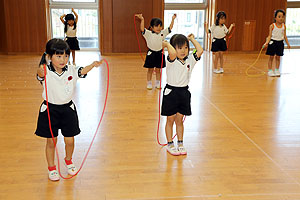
154,37
277,33
70,30
176,96
218,33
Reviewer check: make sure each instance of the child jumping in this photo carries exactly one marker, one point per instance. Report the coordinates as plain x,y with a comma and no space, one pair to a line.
218,33
277,33
176,95
61,81
154,37
70,30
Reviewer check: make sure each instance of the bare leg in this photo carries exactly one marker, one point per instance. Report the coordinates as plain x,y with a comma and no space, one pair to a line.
277,62
221,59
149,74
169,127
270,63
179,126
50,151
69,147
215,60
157,71
73,56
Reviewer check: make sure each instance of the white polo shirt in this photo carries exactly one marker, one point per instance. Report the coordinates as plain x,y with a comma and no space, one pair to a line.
218,32
178,72
154,40
70,32
278,32
60,87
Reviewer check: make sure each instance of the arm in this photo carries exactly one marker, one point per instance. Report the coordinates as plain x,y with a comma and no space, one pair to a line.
90,67
199,52
76,16
142,26
40,71
286,40
231,27
62,18
171,50
172,22
269,36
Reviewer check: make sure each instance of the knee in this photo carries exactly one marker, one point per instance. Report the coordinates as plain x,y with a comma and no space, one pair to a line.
69,142
50,144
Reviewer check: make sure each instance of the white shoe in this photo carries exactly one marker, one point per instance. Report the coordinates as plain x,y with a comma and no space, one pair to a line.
221,70
271,73
157,85
149,86
72,170
53,175
216,71
277,73
173,150
182,150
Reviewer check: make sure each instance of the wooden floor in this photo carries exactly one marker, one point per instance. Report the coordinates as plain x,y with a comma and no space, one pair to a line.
243,138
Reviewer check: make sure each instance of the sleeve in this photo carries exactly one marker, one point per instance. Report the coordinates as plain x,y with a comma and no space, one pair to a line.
169,62
79,69
166,32
193,58
146,33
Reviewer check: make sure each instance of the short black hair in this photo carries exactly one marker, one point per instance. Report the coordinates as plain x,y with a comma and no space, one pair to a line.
178,40
220,15
278,11
155,22
57,46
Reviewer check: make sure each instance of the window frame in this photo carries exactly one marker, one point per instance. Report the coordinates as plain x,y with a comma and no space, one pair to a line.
76,5
293,4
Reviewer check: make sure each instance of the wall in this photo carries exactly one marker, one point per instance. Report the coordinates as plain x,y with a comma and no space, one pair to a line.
24,30
117,25
239,11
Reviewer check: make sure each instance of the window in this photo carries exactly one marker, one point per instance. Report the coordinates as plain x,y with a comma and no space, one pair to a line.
190,18
87,25
292,23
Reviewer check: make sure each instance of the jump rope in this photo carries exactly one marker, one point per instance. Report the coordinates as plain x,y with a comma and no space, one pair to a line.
95,134
159,96
250,66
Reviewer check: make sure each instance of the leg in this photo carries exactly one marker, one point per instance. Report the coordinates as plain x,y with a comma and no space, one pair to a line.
149,74
221,59
179,126
73,56
157,71
169,127
50,151
277,62
215,60
69,147
270,63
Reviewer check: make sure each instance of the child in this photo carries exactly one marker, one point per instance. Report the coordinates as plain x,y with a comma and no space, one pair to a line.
70,31
61,81
154,37
176,96
277,33
218,33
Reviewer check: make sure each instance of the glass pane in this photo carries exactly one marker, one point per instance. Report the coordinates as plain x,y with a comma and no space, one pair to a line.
293,26
87,27
76,1
187,21
184,1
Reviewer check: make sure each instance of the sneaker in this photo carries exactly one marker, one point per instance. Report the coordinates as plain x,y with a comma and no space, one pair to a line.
72,170
149,86
216,71
277,73
271,73
182,150
221,70
173,150
157,85
53,175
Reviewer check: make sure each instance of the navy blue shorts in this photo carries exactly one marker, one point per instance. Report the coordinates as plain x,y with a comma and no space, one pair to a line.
153,59
275,47
62,117
218,45
176,100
